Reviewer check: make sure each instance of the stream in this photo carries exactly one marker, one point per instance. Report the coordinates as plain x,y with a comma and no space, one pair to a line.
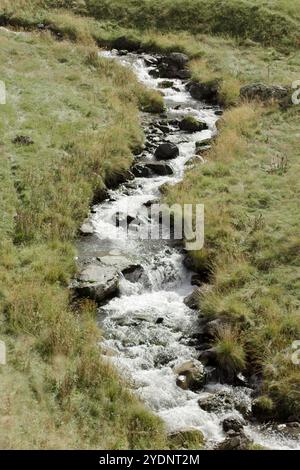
148,330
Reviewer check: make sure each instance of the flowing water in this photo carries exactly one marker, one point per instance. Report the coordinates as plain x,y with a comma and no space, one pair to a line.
148,329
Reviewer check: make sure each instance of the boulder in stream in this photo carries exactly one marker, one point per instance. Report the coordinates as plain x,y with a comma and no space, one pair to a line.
124,265
192,300
236,442
166,151
189,438
208,92
233,424
149,169
173,66
226,400
190,375
191,124
97,282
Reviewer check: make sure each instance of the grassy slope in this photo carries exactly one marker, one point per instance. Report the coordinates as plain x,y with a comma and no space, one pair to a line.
82,114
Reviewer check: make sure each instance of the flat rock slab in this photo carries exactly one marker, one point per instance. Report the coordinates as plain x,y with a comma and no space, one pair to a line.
131,270
98,282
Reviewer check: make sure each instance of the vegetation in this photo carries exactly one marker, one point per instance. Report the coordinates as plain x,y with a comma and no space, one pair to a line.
54,379
252,244
78,116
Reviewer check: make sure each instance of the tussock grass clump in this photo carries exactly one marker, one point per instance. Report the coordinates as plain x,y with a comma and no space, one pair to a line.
230,354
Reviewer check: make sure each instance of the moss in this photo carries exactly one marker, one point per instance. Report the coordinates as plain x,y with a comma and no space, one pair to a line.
263,408
189,439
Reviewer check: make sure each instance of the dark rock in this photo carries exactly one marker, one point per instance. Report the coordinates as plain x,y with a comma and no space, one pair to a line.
122,52
149,169
212,327
203,143
22,140
233,424
183,74
177,58
262,92
159,321
224,401
97,282
163,357
163,126
196,280
166,151
133,273
113,180
166,84
219,112
126,43
205,91
192,300
151,202
173,66
155,73
100,195
190,124
208,357
238,442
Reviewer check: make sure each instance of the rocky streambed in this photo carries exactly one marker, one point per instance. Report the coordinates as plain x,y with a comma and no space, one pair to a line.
144,288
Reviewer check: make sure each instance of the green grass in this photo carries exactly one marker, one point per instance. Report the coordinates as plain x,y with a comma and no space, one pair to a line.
237,18
252,226
231,59
81,113
252,244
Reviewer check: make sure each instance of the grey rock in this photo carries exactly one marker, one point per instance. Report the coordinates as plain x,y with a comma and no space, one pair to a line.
238,442
189,124
123,265
262,92
190,375
149,169
86,228
97,282
233,424
178,58
208,92
192,300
